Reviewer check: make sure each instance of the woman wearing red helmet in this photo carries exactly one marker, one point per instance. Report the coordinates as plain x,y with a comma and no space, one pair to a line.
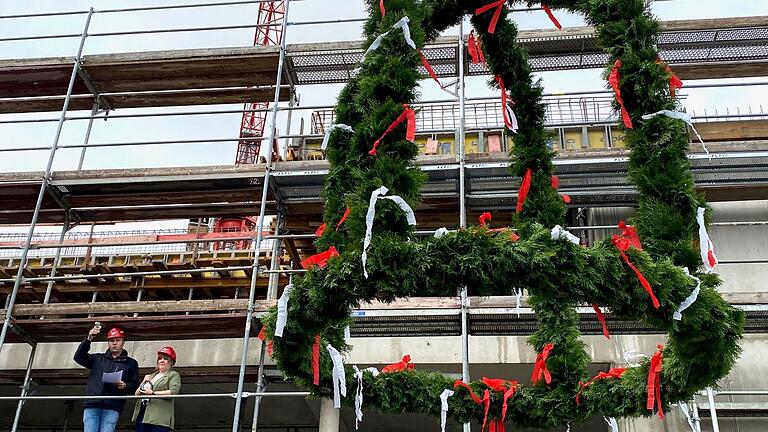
156,414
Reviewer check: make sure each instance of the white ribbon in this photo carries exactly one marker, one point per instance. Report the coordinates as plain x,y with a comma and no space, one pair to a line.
403,25
559,233
282,310
441,232
679,115
347,333
631,355
512,119
330,130
359,392
339,377
612,424
444,407
705,244
678,315
375,196
687,414
518,300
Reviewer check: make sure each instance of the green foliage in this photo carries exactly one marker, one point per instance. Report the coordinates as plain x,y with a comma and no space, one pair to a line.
557,274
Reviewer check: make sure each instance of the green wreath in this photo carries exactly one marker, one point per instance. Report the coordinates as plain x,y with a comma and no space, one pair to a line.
559,275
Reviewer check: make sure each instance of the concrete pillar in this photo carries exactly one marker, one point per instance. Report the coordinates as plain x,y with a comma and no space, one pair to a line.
329,416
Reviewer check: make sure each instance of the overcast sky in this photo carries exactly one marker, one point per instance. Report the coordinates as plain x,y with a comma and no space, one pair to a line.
227,126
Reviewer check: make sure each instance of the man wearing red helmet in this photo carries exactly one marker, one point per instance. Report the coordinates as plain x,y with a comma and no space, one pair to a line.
113,373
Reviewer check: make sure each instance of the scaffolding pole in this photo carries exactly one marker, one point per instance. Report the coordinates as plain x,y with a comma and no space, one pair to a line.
56,260
260,226
712,409
24,389
88,128
44,185
463,211
272,289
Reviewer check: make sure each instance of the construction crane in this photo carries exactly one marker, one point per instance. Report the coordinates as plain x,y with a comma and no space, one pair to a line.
269,31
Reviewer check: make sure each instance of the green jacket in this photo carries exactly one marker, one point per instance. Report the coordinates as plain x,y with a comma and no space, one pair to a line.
161,411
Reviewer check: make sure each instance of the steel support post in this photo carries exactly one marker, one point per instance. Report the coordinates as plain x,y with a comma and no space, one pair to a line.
87,138
696,419
56,260
274,278
462,132
271,294
463,210
712,410
24,388
260,228
44,185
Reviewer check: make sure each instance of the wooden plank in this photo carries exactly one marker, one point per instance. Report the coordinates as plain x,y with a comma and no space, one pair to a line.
146,100
711,70
198,326
144,307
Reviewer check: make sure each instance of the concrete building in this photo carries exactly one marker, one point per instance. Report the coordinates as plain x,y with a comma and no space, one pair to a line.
190,287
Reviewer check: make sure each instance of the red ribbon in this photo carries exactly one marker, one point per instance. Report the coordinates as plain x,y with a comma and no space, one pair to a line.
514,237
622,244
540,368
320,230
525,187
382,8
508,387
460,383
711,258
475,48
321,259
551,16
429,68
654,382
485,218
400,366
613,80
343,218
556,185
270,347
262,333
499,5
408,115
504,103
630,233
613,373
601,318
674,82
316,361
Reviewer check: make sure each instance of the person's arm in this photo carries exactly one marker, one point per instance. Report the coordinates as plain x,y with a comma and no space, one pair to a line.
174,386
131,378
82,357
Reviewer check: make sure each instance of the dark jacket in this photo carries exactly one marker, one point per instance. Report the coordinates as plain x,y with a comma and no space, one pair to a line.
104,362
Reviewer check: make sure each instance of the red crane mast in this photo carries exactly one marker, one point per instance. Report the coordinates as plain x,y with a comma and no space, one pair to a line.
253,123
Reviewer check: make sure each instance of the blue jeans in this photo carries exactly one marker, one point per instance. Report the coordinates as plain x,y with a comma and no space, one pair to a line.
100,420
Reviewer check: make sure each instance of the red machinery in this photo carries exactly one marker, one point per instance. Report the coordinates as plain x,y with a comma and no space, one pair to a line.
268,32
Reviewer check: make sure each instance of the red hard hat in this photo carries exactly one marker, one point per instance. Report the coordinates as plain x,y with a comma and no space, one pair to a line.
169,351
116,332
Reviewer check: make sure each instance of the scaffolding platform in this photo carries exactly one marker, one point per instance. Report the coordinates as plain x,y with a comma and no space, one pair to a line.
738,171
696,49
142,79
